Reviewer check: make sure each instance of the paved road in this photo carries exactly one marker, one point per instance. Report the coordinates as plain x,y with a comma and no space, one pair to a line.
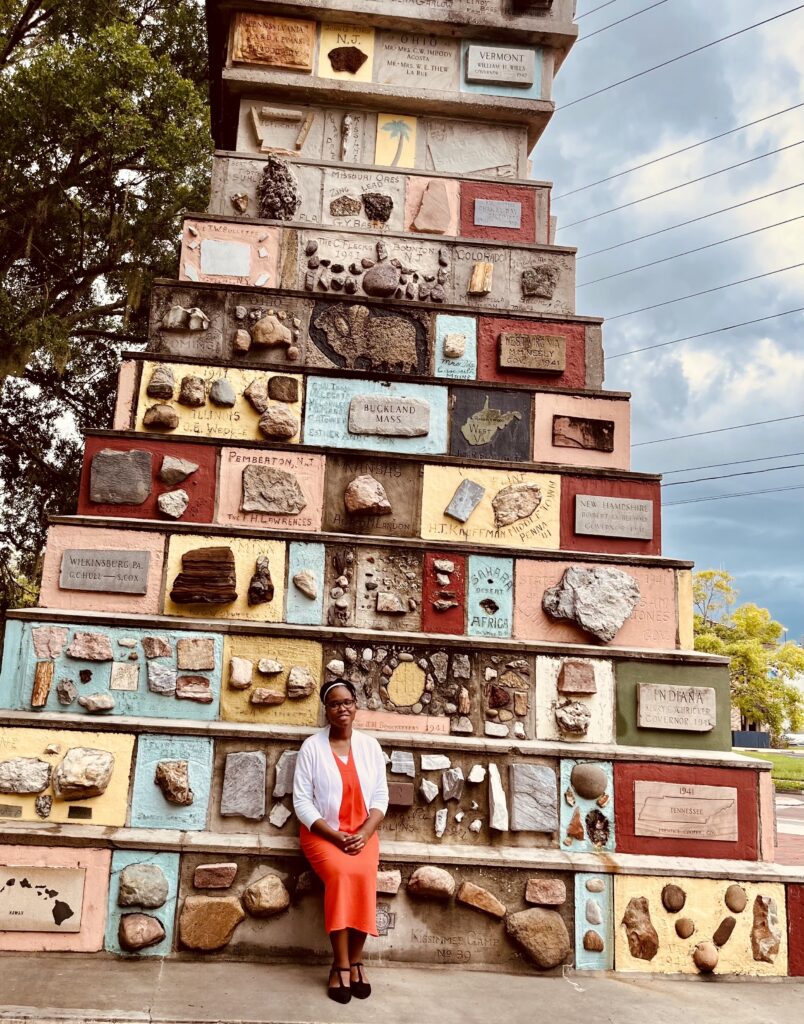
790,828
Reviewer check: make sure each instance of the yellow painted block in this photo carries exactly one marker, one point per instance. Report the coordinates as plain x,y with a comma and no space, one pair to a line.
246,552
236,705
686,638
396,140
705,906
107,809
406,685
540,530
333,37
240,421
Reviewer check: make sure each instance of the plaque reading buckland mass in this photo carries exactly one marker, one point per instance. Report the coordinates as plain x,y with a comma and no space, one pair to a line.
41,899
533,352
689,708
389,417
599,516
277,42
488,64
497,213
675,810
577,432
113,572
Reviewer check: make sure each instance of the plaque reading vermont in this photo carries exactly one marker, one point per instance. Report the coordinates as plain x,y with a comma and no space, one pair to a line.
599,516
672,810
533,352
389,417
689,708
500,65
113,572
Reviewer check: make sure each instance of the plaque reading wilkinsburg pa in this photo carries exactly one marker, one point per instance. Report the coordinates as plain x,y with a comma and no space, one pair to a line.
688,708
114,572
671,810
41,899
599,516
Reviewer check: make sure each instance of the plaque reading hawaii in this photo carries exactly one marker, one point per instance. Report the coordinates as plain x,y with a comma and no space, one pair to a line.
671,810
688,708
41,899
112,572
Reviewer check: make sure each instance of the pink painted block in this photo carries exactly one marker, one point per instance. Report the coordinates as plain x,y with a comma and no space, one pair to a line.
61,538
416,187
89,939
387,721
126,395
230,253
308,470
617,412
767,817
651,625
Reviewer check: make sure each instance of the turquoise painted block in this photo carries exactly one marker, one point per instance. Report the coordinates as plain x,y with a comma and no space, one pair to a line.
533,92
20,658
490,605
326,417
149,808
168,863
599,906
300,608
586,808
464,368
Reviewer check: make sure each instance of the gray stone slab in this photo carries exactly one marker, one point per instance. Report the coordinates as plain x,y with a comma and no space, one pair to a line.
226,259
285,770
416,61
402,763
685,811
498,64
689,708
389,417
544,352
534,798
465,500
120,478
243,792
497,213
109,571
599,516
40,899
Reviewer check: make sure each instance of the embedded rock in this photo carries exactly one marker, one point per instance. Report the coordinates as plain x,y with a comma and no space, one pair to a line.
454,346
542,934
514,503
24,775
66,691
195,688
402,763
724,930
278,194
222,393
285,770
300,682
139,931
539,282
207,577
589,781
207,923
435,763
388,882
243,791
196,653
735,898
390,603
161,679
156,647
83,772
270,331
592,942
381,280
481,899
214,876
378,206
534,798
431,881
498,804
283,389
279,423
266,489
766,936
428,790
705,957
266,897
264,697
96,703
547,892
345,206
595,885
162,382
175,471
347,58
257,394
178,318
575,827
160,417
142,885
496,729
261,586
597,600
573,717
673,898
593,912
49,641
43,805
452,784
598,828
173,778
477,773
192,391
279,815
685,927
173,503
433,216
240,673
269,667
366,496
91,647
576,678
306,582
120,478
643,940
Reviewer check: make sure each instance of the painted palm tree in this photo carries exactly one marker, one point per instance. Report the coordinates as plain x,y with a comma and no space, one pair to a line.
400,131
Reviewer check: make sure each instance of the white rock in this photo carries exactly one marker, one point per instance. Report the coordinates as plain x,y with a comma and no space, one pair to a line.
240,673
498,804
519,731
491,673
402,763
269,667
279,815
173,503
454,346
477,774
441,822
336,667
435,762
476,825
428,789
593,914
496,729
459,816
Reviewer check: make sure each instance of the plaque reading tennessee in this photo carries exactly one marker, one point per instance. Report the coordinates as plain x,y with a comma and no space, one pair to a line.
671,810
112,572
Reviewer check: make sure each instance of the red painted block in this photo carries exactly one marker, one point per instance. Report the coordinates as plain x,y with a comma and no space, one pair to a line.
525,197
200,486
633,489
795,930
451,620
488,365
743,780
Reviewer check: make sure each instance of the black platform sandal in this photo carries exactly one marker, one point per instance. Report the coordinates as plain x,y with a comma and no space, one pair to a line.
360,989
342,993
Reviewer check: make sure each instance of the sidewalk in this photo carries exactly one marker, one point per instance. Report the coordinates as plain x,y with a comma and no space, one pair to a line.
51,988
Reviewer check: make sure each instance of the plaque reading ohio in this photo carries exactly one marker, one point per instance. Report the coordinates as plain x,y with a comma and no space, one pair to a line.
112,572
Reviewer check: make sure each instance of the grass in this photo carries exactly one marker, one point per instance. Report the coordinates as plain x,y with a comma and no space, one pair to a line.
788,769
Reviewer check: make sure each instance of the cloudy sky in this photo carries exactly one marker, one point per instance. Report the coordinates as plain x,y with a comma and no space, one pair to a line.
734,377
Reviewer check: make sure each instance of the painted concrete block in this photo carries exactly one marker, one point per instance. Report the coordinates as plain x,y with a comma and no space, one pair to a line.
492,68
221,253
149,808
307,470
342,198
491,596
172,332
587,821
432,205
597,918
455,334
400,481
488,352
493,424
502,213
337,35
795,914
443,593
281,657
364,338
600,704
305,607
168,864
570,452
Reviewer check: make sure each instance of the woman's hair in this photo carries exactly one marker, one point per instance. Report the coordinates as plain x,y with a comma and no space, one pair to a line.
326,687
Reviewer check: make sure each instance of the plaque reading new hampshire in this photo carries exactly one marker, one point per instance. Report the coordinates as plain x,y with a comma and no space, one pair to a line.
599,516
671,810
113,572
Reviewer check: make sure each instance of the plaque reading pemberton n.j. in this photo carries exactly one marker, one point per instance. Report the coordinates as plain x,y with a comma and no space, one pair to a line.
685,811
108,571
599,516
688,708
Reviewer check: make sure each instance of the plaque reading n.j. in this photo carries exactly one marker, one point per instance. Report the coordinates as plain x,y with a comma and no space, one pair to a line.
41,899
112,572
688,708
599,516
533,352
674,810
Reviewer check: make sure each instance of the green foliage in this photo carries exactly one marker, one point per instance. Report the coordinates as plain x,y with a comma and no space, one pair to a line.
761,662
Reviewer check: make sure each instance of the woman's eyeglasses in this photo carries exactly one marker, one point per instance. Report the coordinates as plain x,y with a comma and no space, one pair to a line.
336,705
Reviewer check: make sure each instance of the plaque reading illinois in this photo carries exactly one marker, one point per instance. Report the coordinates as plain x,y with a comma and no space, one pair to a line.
533,352
599,516
689,708
112,572
671,810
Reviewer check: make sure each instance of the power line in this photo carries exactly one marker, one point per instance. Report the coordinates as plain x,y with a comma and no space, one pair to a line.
681,56
738,494
675,152
689,252
720,430
739,462
706,291
682,184
693,220
594,9
728,476
628,17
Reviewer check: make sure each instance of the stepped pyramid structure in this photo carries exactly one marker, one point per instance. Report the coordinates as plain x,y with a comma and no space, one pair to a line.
369,440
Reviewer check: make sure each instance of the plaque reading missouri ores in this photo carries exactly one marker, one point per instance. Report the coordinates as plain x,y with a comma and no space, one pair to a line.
276,42
497,213
41,899
599,516
533,352
113,572
389,417
689,708
674,810
488,64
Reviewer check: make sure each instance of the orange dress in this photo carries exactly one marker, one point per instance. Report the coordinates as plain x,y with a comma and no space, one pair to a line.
350,880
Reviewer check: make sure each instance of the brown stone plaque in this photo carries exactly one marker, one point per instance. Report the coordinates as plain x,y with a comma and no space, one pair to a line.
402,483
578,432
543,352
400,794
689,708
685,811
39,899
277,42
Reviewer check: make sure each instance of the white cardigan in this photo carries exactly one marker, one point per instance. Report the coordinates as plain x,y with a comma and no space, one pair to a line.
317,785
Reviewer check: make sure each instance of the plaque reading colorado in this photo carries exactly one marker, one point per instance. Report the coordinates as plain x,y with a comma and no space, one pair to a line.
689,708
41,899
114,572
671,810
389,417
599,516
500,65
533,352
